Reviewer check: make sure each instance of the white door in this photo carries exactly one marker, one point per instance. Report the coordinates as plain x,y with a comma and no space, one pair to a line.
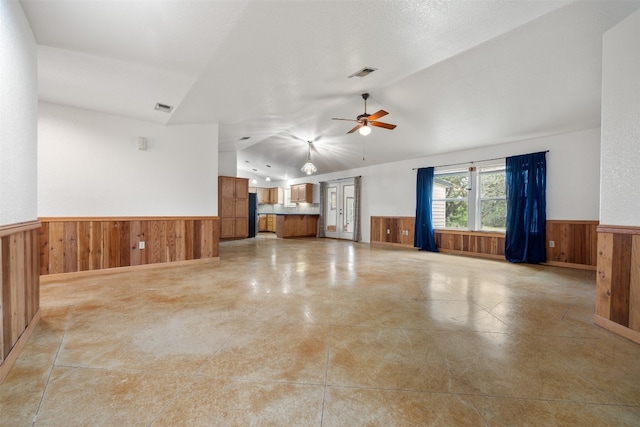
340,209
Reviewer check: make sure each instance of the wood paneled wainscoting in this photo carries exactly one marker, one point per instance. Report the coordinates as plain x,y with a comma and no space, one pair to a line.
392,230
575,242
69,245
20,284
471,243
618,281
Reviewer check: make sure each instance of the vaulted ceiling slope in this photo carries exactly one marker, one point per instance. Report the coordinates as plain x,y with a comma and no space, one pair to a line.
452,74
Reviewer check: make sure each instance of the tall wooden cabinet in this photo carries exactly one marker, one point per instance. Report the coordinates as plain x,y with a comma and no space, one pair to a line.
233,207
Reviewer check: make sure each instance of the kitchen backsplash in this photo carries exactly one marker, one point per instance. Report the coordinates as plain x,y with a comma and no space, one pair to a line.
302,208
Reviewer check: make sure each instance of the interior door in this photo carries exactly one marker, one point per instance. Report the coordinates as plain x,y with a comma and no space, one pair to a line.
340,209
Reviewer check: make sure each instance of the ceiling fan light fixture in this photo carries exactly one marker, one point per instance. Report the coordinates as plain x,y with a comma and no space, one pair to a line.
309,168
365,130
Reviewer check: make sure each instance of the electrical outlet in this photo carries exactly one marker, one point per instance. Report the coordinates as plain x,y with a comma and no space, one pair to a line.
552,244
388,231
140,245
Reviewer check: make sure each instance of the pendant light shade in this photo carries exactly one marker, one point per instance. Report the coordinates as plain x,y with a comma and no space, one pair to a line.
309,168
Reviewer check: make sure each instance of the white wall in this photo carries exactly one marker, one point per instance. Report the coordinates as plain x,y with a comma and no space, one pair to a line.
18,116
89,165
573,166
228,163
619,186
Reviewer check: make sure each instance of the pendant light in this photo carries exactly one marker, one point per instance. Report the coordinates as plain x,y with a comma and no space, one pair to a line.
309,168
365,129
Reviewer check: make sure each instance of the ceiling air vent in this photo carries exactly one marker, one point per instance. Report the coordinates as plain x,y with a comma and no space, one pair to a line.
362,73
164,107
244,138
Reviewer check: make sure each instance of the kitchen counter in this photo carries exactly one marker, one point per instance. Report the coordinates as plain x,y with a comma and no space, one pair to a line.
296,225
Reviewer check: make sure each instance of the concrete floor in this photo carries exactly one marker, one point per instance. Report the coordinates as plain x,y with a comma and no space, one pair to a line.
317,332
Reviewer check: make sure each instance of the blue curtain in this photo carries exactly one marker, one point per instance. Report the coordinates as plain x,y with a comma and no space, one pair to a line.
423,236
526,208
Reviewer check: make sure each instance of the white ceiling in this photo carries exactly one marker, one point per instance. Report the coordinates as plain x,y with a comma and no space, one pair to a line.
452,74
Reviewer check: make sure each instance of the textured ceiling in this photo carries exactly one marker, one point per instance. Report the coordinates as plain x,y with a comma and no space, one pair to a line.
452,74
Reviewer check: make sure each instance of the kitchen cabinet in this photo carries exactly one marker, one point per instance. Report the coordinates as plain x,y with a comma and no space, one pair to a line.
302,193
233,207
274,195
295,225
262,222
271,223
267,222
263,195
268,196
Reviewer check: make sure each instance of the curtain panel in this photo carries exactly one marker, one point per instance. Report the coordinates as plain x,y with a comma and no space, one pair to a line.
357,227
323,203
526,208
424,237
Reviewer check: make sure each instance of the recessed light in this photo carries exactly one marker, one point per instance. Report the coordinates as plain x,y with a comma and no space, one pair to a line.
362,73
268,166
247,161
163,107
255,170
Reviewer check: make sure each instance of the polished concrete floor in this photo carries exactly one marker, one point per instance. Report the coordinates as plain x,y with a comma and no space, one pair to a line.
319,332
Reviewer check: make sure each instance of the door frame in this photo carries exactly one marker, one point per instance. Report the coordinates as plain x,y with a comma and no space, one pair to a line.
340,209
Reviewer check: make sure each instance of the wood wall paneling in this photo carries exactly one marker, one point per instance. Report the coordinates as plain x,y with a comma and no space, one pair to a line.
575,242
19,288
603,275
391,230
634,285
618,280
80,244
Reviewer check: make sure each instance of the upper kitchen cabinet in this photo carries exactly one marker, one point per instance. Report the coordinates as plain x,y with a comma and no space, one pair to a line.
263,195
233,207
269,196
302,193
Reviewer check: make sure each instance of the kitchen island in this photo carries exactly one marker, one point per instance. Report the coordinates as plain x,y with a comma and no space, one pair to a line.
296,225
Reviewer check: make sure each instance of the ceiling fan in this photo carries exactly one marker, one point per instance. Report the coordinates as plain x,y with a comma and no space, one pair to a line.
365,121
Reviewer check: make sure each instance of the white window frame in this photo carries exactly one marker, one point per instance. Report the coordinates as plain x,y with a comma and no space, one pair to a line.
478,203
474,218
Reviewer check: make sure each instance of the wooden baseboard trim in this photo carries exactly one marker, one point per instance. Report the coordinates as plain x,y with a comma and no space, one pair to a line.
617,329
115,270
570,265
11,358
472,254
392,245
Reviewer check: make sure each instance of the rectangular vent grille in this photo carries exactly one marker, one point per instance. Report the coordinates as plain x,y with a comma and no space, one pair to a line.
164,107
362,73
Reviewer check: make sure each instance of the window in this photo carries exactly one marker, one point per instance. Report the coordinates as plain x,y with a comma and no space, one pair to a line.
451,200
473,199
493,199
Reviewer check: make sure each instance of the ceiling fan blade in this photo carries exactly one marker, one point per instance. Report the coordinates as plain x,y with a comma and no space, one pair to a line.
376,116
358,126
383,125
348,120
